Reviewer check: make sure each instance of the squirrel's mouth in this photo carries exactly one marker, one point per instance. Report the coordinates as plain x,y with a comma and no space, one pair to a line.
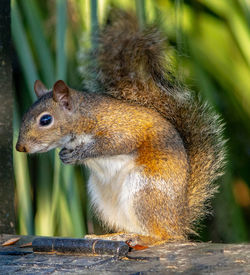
37,147
45,148
41,148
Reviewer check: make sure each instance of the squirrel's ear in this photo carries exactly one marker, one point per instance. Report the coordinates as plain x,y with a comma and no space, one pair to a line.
61,94
40,88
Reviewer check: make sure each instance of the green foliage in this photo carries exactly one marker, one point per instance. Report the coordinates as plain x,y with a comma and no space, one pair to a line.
208,40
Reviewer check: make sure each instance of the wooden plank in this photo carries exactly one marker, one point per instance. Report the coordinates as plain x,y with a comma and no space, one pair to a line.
186,258
6,110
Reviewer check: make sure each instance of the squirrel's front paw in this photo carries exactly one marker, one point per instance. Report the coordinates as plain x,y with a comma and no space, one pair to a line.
67,156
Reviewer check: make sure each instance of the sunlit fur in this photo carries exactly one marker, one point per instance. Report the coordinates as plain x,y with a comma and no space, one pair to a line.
132,66
153,149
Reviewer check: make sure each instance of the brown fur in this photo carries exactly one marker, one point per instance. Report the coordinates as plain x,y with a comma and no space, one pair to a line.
175,141
131,67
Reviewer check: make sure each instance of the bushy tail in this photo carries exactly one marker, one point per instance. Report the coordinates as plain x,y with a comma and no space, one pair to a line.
131,66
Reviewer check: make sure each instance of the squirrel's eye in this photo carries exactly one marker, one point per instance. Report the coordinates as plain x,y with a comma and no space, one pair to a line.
45,120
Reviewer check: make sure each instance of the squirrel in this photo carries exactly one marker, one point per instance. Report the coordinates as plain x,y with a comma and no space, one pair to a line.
153,149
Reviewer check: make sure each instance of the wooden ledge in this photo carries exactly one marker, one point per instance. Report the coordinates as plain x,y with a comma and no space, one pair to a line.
189,258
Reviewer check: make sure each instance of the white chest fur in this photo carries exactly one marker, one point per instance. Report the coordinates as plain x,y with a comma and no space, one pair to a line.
112,184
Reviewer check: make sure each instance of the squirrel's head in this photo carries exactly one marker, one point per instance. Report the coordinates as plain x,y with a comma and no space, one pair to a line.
47,123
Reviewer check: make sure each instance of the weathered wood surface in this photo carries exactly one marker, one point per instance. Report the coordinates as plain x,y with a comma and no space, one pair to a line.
173,258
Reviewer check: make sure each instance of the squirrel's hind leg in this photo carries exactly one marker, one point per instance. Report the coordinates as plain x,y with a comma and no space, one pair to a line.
133,239
160,219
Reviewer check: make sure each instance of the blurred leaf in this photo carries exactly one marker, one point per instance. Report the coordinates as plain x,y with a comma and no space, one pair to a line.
23,186
94,22
140,11
73,200
61,21
39,41
23,49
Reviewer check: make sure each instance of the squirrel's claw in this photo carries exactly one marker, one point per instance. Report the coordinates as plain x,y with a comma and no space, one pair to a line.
67,156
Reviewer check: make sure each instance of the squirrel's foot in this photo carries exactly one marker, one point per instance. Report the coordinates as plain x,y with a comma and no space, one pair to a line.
132,239
67,156
76,155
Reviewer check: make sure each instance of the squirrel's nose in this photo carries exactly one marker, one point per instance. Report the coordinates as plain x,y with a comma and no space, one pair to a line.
20,147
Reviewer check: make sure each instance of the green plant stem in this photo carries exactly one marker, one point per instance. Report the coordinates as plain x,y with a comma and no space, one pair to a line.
23,50
94,22
140,11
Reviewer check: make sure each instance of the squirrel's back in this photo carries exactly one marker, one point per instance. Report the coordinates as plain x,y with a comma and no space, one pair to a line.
131,66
